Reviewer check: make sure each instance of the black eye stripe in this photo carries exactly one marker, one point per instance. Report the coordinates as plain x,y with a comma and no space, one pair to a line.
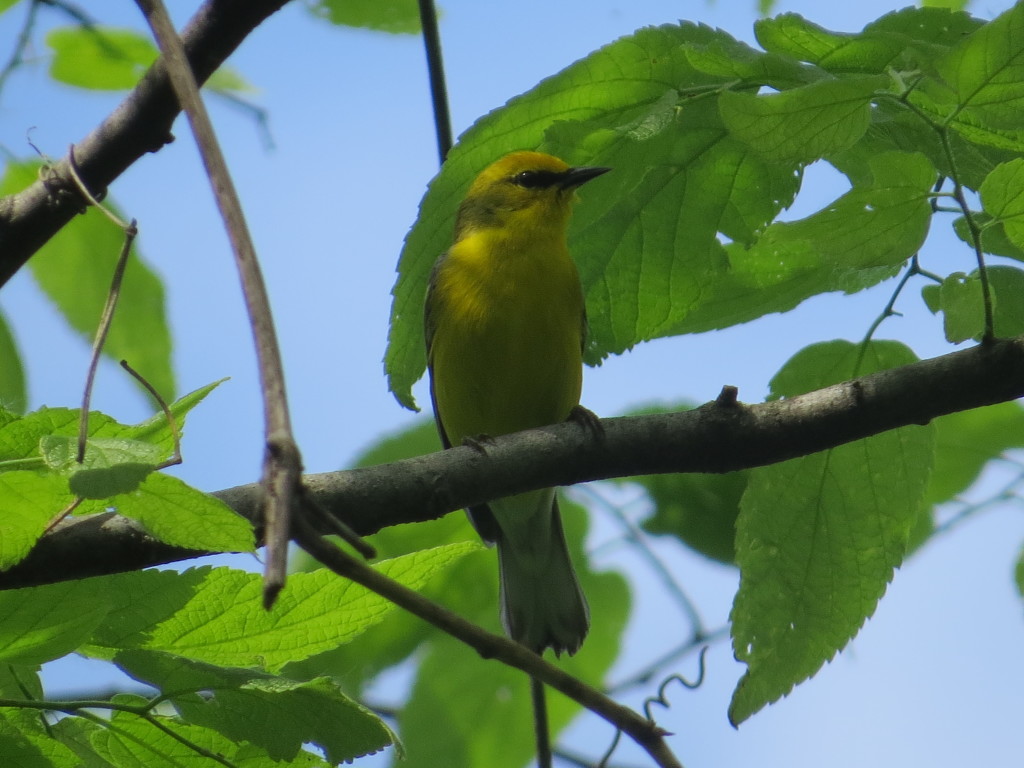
536,179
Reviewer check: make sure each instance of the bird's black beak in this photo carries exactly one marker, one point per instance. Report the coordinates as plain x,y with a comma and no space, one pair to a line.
574,177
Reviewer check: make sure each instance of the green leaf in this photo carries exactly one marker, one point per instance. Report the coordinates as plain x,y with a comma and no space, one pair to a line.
75,269
44,623
1002,195
99,58
399,634
7,4
20,681
24,744
959,298
114,59
1007,284
13,386
456,687
183,516
1018,572
986,71
802,124
957,5
628,97
791,35
133,742
818,537
395,16
111,465
855,242
700,510
31,501
20,438
993,237
156,429
244,703
216,615
965,442
76,734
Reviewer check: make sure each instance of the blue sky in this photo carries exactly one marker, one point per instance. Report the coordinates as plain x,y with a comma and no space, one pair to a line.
933,679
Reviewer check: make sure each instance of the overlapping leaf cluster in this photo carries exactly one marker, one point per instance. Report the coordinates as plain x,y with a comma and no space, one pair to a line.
709,138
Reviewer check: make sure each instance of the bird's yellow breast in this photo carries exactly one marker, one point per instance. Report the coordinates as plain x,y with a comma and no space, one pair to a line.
506,349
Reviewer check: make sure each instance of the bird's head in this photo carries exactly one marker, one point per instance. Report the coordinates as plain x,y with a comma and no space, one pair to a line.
523,189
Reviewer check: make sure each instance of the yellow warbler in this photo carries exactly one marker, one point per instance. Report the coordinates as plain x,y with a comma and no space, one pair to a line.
505,325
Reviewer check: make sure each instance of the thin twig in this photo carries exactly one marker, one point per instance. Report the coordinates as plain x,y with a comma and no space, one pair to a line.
637,537
107,317
282,469
435,67
581,760
540,723
171,423
17,56
645,675
490,646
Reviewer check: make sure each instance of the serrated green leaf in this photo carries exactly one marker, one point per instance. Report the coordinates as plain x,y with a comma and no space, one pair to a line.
20,439
32,500
699,510
960,298
986,71
132,742
993,237
736,60
20,681
20,746
44,623
965,442
13,386
395,16
818,537
486,706
35,739
75,269
1007,284
621,91
805,123
217,616
114,59
274,713
1002,195
110,466
183,516
963,309
76,733
156,429
855,242
399,634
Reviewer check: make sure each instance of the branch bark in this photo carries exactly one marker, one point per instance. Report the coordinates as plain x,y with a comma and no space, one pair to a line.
140,124
721,436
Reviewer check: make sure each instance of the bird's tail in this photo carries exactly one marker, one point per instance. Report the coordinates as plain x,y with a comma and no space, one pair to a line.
542,605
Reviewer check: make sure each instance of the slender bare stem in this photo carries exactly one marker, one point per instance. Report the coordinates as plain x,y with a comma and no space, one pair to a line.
282,469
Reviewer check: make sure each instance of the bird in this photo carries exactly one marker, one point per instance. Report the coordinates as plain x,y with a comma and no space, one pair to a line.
505,326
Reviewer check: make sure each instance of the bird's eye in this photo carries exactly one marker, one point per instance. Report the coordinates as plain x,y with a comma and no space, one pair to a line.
533,179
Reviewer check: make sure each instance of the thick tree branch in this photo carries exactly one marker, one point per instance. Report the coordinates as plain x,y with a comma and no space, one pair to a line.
717,437
140,124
